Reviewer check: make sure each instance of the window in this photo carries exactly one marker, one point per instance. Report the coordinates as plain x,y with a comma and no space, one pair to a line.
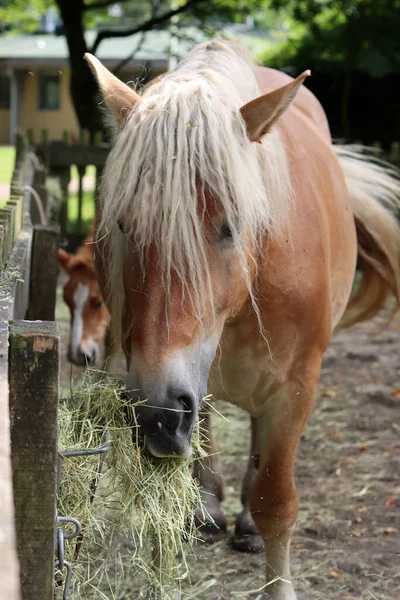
4,92
49,92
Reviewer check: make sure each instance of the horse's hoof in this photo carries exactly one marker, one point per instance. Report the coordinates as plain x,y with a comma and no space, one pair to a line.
251,543
212,528
246,537
210,520
211,524
211,533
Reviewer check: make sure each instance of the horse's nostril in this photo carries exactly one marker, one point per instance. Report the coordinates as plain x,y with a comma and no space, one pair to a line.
84,359
186,402
181,407
166,423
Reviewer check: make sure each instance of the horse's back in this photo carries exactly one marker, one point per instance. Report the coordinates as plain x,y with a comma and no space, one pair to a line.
307,268
322,224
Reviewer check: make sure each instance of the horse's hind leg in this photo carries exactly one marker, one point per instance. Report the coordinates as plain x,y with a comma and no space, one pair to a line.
247,537
210,519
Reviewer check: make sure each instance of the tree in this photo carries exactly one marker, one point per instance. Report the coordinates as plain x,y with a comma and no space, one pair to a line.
84,91
78,15
363,33
346,35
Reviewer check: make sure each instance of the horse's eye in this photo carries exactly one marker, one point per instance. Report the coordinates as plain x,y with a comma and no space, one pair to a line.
121,227
98,303
226,233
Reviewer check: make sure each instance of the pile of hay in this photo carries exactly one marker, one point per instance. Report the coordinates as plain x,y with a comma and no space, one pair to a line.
152,500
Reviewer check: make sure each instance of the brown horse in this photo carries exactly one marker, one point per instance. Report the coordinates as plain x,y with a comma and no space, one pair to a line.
227,247
89,314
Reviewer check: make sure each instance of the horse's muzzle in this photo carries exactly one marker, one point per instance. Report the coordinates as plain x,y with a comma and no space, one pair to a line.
166,424
81,359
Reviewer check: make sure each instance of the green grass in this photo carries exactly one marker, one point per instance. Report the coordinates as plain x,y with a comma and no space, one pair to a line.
88,211
90,172
7,157
88,204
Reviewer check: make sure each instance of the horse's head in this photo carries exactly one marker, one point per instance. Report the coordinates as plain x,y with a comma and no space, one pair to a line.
89,314
184,203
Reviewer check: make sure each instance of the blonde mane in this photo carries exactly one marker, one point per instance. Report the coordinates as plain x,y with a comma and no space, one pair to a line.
184,139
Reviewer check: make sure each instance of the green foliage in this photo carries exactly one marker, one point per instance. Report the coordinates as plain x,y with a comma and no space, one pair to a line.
359,34
23,15
228,11
207,13
132,12
7,159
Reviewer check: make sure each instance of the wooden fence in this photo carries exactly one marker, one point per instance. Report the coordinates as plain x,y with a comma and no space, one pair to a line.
58,158
29,373
29,364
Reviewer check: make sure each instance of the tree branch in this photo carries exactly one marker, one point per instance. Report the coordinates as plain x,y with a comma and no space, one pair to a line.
128,59
146,26
102,4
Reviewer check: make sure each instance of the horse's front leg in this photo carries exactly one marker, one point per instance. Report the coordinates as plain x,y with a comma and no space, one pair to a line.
247,537
274,499
210,519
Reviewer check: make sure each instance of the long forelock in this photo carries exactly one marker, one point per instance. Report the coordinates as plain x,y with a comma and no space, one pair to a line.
184,138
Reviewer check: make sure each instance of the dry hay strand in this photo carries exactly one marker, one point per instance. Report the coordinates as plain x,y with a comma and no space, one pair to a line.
151,500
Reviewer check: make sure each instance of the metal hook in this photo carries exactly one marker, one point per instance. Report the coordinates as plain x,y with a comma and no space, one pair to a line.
78,526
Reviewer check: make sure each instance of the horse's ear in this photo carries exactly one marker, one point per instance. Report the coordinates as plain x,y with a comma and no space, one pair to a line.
260,114
63,258
119,98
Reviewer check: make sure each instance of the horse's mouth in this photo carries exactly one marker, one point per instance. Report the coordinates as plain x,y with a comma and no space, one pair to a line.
183,451
82,360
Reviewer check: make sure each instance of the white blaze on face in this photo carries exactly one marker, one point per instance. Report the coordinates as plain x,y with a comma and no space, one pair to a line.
80,296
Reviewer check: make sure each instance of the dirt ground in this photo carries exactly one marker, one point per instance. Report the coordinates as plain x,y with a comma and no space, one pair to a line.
347,542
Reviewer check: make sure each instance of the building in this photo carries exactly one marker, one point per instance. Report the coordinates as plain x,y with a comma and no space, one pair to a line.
35,76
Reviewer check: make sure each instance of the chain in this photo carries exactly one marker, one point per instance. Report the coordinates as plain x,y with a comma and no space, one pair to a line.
60,562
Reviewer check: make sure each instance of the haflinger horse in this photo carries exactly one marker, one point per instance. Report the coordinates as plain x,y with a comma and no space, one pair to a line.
89,314
226,251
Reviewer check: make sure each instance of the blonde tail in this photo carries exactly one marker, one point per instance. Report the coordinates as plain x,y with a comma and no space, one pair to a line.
374,189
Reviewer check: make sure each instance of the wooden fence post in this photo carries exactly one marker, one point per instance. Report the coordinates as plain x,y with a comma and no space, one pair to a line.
1,245
39,185
5,249
65,177
13,304
44,273
395,153
20,148
81,174
34,380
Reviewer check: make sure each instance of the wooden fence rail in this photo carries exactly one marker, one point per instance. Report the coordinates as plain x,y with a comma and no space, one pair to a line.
28,277
58,157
